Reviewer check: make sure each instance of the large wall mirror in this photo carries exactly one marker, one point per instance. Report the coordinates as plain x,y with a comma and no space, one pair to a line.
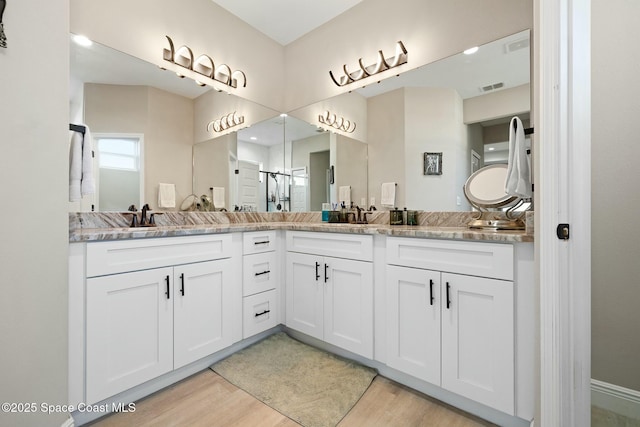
459,107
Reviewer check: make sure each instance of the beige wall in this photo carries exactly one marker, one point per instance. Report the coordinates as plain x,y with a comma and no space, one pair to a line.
615,197
351,168
211,165
34,171
165,120
386,133
504,103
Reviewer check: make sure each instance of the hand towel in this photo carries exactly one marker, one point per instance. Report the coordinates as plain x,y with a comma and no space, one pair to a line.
344,195
166,195
218,197
388,194
87,184
518,181
75,166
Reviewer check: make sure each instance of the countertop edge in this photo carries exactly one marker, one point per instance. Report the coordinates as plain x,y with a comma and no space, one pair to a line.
425,232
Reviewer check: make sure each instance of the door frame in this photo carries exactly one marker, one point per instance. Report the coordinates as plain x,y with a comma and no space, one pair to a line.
562,145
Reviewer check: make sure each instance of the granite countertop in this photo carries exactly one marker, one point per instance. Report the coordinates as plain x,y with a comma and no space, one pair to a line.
87,227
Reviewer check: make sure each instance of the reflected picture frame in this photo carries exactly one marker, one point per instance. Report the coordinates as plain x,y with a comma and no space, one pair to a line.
432,163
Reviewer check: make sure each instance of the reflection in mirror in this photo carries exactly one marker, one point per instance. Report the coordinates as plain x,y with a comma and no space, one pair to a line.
119,95
456,106
261,149
116,94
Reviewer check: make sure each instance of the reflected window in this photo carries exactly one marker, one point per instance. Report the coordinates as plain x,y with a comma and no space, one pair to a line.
119,153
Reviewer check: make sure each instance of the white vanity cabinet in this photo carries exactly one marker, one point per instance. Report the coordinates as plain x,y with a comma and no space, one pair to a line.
450,316
260,277
173,310
329,288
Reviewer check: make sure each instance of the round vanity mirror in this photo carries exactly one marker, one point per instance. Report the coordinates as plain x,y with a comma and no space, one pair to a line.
485,191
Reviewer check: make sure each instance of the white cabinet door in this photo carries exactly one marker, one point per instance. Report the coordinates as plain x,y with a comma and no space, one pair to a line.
478,339
413,322
202,310
129,330
305,289
348,304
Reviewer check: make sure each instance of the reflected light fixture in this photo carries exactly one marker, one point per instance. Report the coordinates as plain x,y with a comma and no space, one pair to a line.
339,123
471,50
225,122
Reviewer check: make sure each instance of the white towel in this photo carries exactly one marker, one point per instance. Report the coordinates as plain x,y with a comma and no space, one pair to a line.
388,194
344,195
88,184
218,197
518,181
166,195
75,167
81,180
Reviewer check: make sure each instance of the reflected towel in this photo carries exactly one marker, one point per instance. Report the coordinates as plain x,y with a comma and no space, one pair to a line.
75,166
388,194
218,197
166,195
345,195
87,184
518,181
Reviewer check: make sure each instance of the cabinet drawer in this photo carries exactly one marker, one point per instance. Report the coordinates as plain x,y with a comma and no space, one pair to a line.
351,246
131,255
259,313
258,241
260,272
471,258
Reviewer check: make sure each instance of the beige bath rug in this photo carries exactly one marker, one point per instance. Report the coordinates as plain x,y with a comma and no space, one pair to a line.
310,386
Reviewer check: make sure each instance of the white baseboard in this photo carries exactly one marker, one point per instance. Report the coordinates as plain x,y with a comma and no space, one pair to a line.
620,400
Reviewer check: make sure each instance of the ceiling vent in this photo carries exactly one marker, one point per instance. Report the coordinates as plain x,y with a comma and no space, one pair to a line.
516,45
489,88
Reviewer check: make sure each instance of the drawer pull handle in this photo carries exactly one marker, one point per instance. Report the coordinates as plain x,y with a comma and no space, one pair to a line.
263,313
167,293
264,272
431,291
261,242
448,295
317,274
182,284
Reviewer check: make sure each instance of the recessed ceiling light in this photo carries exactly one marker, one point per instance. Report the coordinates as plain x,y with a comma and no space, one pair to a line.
491,148
82,40
471,51
253,138
283,115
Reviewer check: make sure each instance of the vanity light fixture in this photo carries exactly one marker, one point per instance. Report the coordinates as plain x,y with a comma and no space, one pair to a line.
225,122
471,50
204,68
382,64
339,123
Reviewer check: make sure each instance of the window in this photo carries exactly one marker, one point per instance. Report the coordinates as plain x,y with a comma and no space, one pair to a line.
119,153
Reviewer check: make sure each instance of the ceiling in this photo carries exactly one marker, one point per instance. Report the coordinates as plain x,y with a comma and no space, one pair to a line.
286,20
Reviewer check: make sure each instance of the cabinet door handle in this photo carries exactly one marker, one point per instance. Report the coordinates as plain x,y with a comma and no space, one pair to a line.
431,292
182,284
326,277
263,313
317,274
167,293
264,272
448,296
262,242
